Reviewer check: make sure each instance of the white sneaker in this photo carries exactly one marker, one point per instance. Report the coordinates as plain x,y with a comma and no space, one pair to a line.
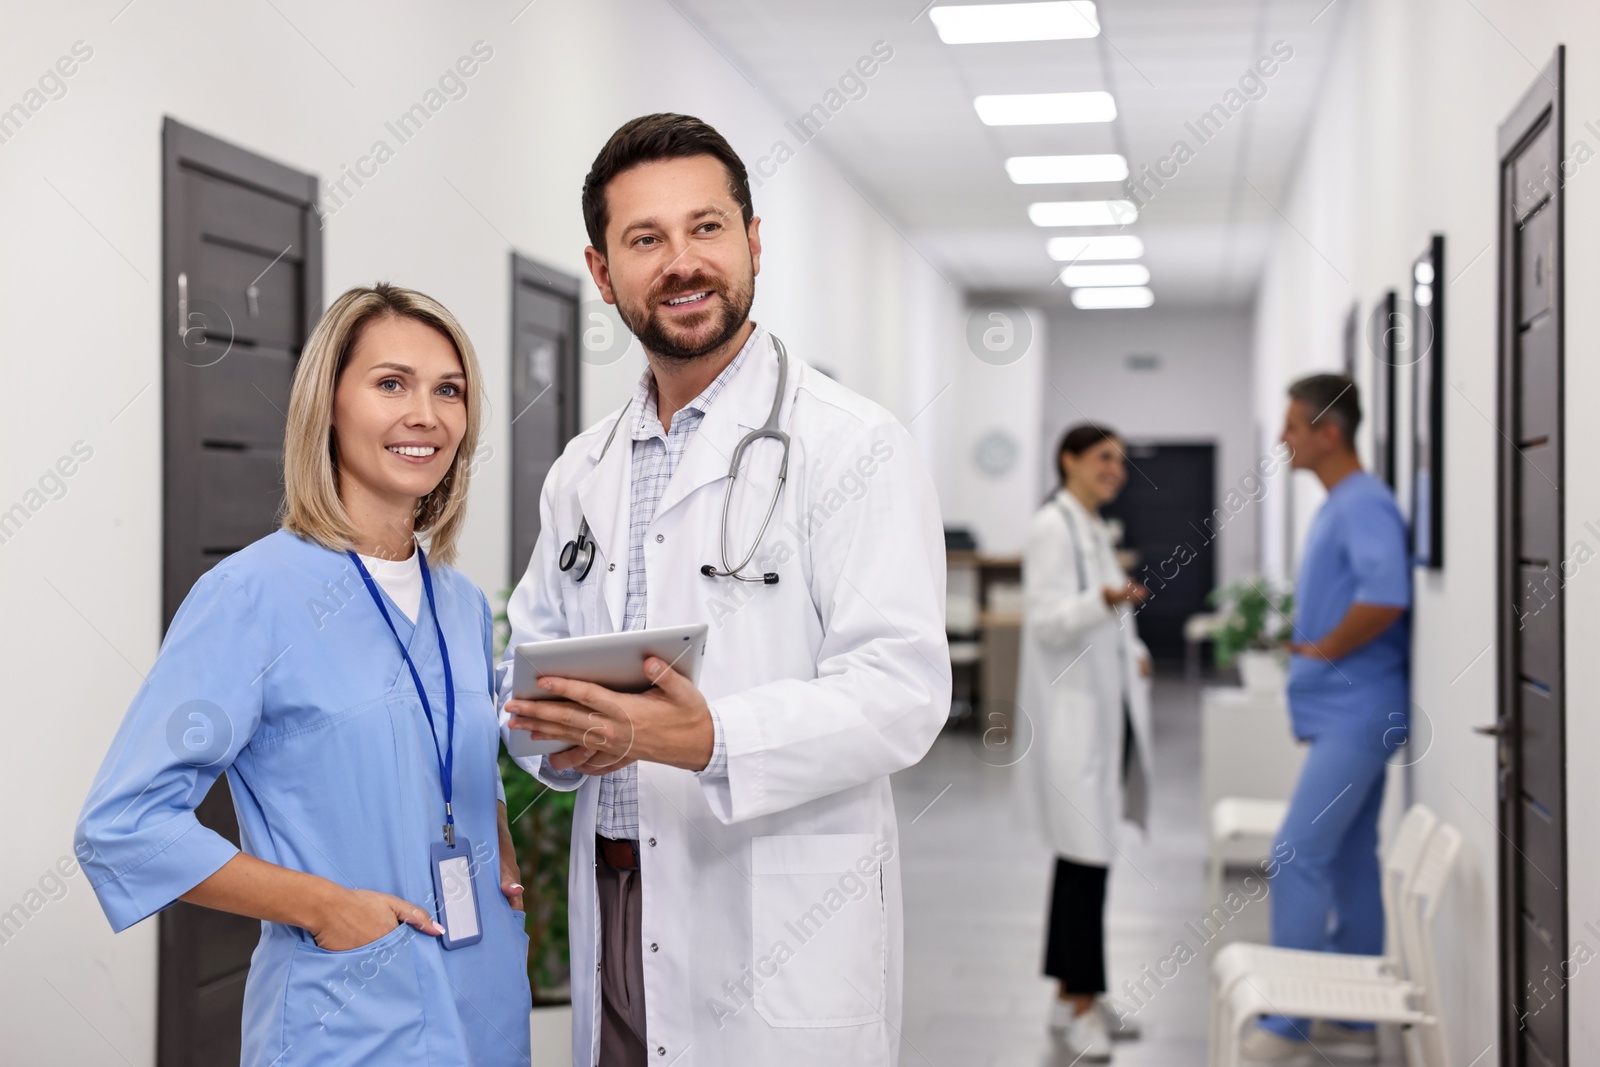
1084,1035
1121,1022
1264,1046
1345,1042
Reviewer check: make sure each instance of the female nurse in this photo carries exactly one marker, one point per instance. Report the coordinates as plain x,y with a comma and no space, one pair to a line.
341,676
1084,684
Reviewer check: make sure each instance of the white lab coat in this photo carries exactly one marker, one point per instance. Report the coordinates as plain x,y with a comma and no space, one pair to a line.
1079,663
772,909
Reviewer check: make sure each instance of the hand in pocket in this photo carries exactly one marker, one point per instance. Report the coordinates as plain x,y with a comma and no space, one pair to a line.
361,916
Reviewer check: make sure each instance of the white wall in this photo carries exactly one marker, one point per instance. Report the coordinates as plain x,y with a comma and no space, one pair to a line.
990,399
1200,393
79,325
1403,145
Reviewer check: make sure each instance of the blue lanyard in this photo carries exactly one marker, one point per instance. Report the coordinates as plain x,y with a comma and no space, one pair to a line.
447,758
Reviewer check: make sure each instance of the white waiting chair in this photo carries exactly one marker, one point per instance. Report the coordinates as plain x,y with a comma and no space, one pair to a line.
1427,1044
1411,1002
1242,829
1239,960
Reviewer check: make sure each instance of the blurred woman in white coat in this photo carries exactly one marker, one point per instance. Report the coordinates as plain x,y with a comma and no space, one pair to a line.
1085,688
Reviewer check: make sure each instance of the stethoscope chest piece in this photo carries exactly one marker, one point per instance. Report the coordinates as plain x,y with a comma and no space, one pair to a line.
577,555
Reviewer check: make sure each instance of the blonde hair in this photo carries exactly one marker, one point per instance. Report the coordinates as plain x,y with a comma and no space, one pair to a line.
312,507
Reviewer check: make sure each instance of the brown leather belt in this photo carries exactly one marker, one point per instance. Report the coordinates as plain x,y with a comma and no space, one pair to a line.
623,855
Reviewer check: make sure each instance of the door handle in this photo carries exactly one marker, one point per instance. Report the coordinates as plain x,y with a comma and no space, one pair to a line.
1496,730
183,306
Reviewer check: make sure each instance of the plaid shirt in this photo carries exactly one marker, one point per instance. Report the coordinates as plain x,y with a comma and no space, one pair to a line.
655,456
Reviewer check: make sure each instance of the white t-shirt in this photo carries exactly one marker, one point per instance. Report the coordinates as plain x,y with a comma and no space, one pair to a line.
400,578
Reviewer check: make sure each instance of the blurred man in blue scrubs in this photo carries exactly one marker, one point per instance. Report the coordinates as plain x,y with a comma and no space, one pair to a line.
1349,696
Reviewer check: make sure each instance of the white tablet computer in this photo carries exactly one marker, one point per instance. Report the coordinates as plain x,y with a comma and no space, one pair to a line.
615,661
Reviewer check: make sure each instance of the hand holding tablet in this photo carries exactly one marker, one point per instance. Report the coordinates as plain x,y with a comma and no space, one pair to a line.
614,661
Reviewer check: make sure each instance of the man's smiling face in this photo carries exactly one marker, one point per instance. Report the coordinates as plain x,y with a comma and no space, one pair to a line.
678,262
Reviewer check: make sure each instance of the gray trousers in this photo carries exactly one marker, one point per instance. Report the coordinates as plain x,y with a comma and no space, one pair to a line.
622,1028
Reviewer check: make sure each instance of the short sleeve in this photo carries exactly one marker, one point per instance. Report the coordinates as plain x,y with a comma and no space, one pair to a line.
198,707
1375,538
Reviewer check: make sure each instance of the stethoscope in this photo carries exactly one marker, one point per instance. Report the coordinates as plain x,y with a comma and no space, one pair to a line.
1077,549
577,555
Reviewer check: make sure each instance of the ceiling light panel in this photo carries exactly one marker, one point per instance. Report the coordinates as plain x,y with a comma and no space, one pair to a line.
1047,170
992,23
1041,109
1077,249
1136,296
1080,275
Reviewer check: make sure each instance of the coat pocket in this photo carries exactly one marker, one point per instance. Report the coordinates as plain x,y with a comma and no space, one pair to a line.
1075,747
818,928
363,1005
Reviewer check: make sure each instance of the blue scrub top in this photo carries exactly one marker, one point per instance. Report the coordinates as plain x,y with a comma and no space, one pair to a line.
1355,553
279,670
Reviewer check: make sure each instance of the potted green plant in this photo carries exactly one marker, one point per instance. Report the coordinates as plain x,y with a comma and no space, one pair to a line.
540,819
1255,624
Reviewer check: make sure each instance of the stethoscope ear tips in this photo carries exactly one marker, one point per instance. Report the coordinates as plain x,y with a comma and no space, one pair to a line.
709,571
770,578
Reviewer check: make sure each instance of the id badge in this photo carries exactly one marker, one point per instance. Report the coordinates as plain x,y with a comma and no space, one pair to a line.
455,897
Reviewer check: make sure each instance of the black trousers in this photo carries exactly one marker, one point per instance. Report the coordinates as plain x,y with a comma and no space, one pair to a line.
1075,948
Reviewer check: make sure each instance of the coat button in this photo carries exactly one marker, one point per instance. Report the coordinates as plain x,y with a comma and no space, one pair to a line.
654,947
660,538
611,567
661,1050
652,842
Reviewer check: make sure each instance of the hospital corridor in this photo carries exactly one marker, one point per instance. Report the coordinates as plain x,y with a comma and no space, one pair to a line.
800,533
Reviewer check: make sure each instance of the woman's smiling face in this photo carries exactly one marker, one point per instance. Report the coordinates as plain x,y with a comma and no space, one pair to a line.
399,411
1098,472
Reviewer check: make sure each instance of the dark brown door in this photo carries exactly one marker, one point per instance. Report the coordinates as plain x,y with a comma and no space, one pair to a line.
544,390
1532,746
242,287
1168,514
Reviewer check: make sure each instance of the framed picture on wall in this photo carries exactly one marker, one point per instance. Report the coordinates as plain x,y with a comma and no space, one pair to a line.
1384,330
1427,406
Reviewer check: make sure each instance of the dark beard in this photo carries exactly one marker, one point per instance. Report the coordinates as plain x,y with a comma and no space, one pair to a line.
652,332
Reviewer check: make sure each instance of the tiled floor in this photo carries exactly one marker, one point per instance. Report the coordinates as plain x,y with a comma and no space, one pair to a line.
976,887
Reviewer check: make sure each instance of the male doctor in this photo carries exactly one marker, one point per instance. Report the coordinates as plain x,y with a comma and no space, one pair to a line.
735,891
